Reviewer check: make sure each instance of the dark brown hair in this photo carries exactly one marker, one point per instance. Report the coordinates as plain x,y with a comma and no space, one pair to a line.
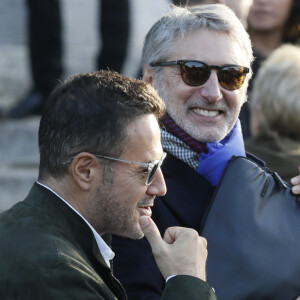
91,112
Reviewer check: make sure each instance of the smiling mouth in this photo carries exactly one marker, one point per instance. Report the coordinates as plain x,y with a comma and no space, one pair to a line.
205,112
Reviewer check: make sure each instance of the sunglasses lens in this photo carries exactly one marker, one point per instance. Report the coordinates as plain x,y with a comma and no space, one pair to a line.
152,173
194,73
231,77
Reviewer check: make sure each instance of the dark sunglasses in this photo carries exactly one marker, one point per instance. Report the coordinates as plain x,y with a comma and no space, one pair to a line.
150,168
195,73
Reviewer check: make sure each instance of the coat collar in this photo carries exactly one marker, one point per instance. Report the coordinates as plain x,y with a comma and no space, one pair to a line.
64,217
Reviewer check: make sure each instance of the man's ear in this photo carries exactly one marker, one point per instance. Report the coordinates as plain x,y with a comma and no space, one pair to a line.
148,74
84,169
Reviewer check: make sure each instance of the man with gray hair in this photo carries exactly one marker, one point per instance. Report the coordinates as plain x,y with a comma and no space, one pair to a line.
199,60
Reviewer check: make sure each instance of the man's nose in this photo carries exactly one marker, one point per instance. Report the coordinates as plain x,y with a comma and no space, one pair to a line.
158,185
211,88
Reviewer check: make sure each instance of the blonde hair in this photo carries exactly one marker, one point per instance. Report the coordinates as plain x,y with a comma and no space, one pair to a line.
276,92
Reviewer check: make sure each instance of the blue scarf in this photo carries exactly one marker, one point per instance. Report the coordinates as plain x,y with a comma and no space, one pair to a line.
212,164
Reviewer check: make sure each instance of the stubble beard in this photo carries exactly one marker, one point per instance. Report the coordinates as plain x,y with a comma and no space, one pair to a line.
205,134
116,218
110,212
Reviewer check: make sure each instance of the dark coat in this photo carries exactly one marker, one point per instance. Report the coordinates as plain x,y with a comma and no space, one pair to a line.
48,252
250,221
281,154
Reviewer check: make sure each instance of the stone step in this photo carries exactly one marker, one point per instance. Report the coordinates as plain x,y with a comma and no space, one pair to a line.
15,184
19,140
19,158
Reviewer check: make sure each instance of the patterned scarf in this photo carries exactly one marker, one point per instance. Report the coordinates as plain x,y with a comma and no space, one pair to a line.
175,130
208,160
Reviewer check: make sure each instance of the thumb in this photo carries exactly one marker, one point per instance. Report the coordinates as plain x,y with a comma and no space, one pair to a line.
151,231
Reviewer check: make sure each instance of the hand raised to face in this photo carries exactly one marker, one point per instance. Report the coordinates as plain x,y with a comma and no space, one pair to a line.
181,251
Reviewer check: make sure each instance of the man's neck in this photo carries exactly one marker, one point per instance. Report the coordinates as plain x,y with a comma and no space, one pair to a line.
65,189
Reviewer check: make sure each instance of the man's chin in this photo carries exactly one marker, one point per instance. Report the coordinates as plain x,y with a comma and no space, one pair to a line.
135,236
207,132
212,136
140,236
135,233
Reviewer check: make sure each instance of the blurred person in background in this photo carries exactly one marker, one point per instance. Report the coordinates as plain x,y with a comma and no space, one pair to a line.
46,48
240,7
270,23
273,22
275,110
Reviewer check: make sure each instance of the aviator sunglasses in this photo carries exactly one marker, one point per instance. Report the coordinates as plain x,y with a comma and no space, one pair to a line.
195,73
150,168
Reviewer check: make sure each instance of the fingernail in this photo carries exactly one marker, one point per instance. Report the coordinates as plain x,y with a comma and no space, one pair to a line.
294,180
296,189
144,221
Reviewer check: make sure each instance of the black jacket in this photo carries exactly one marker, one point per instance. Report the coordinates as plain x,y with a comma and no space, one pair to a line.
48,252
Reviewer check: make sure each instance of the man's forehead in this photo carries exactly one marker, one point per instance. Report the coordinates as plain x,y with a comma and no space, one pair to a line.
143,128
202,44
143,138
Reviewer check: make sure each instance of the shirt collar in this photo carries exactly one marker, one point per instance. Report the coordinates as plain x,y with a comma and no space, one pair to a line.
104,249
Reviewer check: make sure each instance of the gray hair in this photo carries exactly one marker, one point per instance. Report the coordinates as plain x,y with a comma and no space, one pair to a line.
276,92
181,21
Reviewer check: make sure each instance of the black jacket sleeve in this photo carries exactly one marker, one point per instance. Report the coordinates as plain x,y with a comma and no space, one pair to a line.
135,267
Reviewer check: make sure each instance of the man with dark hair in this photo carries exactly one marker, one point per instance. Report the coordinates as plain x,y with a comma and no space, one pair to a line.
100,158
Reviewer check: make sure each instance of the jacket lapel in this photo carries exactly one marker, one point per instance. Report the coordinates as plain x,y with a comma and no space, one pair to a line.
75,229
